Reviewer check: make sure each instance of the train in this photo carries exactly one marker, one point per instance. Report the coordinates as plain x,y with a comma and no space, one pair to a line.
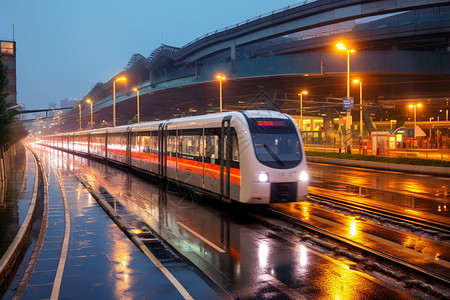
253,156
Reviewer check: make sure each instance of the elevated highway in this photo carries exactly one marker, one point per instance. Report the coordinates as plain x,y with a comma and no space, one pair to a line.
402,55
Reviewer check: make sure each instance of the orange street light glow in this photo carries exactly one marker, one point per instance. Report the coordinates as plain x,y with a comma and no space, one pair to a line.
121,79
341,46
88,100
221,77
303,92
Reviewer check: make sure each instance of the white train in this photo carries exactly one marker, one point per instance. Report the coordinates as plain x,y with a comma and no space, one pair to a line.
251,156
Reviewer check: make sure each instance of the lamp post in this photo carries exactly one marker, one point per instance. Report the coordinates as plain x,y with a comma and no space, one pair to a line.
361,108
415,108
301,108
79,107
137,98
220,77
348,116
90,101
114,98
18,106
432,118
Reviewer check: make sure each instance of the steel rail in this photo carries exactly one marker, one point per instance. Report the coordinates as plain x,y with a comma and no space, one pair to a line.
425,224
427,273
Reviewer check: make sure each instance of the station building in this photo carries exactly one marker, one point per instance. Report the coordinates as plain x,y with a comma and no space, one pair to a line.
8,54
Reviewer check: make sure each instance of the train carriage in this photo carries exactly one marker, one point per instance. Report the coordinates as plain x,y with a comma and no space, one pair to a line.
97,143
251,156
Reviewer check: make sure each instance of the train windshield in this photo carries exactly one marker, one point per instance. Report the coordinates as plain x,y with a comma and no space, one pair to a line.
276,142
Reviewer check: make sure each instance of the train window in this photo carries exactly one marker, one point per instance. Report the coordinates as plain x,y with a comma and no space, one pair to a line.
190,145
171,145
276,142
144,143
211,148
140,143
235,148
134,143
154,144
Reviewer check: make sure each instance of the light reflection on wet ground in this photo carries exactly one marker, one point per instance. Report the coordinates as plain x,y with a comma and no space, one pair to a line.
101,262
430,253
15,196
422,195
244,258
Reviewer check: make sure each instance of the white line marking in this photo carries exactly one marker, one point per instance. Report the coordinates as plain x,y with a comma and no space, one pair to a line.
167,273
199,236
65,247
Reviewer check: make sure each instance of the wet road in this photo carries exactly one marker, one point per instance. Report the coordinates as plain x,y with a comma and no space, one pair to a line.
242,256
424,196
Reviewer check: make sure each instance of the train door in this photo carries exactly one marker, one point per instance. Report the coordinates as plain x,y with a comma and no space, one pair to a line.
162,145
129,136
225,151
106,143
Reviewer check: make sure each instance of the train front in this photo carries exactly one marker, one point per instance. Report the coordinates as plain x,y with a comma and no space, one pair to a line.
273,161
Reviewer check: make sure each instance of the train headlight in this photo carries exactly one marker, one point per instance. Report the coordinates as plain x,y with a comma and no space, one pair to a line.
304,176
263,177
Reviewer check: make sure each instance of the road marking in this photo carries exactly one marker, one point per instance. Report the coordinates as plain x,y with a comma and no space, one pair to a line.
167,273
144,248
62,260
199,236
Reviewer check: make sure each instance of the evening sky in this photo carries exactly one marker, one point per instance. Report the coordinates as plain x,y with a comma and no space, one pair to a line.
65,47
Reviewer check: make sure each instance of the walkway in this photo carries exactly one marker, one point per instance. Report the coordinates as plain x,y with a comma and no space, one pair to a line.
85,255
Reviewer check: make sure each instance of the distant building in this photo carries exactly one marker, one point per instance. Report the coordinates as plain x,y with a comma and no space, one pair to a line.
51,105
8,53
68,102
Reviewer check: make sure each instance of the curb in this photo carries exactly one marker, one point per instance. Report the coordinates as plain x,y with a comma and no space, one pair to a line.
15,250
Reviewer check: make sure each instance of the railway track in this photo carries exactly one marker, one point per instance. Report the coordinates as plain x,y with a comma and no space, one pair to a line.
368,258
415,223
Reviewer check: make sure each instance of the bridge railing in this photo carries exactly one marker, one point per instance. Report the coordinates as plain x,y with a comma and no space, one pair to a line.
248,21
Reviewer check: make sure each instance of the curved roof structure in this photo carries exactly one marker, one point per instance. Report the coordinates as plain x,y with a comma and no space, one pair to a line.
402,54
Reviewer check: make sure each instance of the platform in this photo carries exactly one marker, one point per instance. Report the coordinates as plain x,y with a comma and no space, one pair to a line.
84,254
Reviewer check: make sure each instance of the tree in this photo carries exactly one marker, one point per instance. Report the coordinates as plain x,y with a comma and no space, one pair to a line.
7,117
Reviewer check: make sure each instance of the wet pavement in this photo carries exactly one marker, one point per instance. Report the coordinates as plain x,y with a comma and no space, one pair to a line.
15,196
86,256
244,257
422,196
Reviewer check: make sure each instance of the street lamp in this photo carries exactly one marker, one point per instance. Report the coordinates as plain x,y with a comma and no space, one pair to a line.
348,124
90,101
301,108
79,107
18,106
415,108
220,77
114,98
137,97
360,108
432,118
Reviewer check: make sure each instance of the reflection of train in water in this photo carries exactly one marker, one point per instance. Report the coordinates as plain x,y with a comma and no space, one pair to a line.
251,156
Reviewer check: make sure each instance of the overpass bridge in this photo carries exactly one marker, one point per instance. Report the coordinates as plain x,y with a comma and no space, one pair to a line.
402,55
